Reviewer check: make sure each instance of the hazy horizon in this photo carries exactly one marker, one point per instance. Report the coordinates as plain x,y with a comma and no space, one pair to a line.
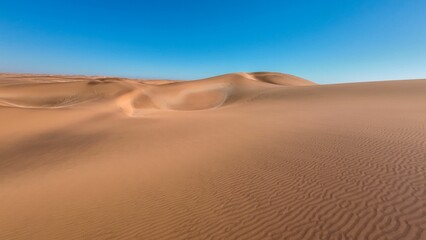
326,42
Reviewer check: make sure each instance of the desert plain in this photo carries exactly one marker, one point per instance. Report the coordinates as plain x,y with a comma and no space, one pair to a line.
238,156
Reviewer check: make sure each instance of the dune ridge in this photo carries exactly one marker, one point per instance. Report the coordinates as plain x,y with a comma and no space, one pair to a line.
237,156
138,96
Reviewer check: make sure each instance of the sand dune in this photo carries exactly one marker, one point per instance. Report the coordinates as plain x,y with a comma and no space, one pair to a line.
238,156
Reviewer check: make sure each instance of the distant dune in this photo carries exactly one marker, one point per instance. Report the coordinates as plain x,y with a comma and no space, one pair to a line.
135,97
238,156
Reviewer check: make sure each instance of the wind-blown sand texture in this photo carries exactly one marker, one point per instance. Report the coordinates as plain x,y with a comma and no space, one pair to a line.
238,156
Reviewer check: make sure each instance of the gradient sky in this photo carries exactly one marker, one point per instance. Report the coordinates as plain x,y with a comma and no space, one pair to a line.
324,41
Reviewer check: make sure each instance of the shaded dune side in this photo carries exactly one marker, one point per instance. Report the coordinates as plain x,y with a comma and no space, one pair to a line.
280,79
58,95
139,97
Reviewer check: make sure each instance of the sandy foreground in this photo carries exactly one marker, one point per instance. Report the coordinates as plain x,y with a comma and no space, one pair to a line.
238,156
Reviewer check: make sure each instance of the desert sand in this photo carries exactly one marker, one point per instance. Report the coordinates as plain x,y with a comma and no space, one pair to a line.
237,156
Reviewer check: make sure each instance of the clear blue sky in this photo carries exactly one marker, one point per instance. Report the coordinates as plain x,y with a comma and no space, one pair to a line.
324,41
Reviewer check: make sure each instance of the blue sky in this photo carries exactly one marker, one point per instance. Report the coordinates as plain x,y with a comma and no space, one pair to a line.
324,41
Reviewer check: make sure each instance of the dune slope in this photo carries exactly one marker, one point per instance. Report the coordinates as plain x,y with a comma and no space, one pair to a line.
238,156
